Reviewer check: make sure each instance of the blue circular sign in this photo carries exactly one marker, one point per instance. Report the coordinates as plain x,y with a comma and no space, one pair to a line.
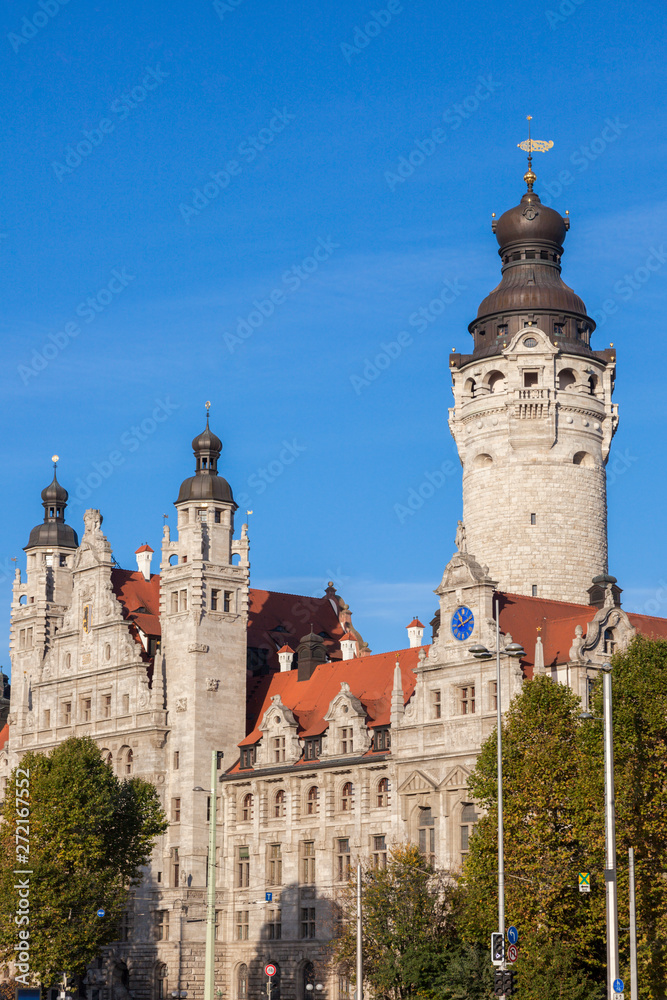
618,985
512,935
100,913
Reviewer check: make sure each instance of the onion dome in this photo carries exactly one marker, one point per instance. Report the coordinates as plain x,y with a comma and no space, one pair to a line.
53,532
531,292
206,484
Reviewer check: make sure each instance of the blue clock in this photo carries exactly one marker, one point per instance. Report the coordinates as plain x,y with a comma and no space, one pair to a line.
463,622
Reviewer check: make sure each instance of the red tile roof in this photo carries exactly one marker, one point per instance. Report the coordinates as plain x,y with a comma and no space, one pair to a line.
139,597
415,623
371,680
143,548
285,649
4,735
276,619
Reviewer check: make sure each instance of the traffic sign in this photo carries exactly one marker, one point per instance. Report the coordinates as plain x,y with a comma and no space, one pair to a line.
584,881
512,935
268,896
512,953
618,986
100,912
618,996
270,970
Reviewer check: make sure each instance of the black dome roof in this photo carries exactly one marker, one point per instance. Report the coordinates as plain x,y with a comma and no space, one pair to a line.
206,484
53,532
54,492
531,221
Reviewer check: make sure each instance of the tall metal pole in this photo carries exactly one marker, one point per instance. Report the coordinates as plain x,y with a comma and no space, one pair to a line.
499,736
610,835
360,955
634,987
209,968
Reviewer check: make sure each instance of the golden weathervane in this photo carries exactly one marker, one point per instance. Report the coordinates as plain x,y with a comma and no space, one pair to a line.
529,146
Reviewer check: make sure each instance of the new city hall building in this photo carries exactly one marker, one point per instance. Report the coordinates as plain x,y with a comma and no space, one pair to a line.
331,753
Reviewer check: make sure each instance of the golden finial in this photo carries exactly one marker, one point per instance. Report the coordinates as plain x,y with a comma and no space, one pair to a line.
207,404
528,145
55,459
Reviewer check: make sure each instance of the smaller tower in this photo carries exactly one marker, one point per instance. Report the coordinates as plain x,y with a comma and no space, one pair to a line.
415,632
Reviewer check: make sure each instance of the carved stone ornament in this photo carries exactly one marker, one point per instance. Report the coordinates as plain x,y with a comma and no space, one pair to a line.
212,683
181,704
197,647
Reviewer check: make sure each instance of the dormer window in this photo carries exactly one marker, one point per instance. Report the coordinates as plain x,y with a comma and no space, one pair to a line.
382,739
247,757
312,748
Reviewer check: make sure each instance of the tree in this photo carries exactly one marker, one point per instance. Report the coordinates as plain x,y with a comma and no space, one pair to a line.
408,928
73,841
554,828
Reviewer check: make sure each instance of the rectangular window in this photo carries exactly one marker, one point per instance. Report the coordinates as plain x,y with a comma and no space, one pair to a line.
106,706
278,748
86,709
307,921
275,865
67,713
176,810
382,739
201,515
216,517
175,867
427,835
242,924
214,599
346,740
436,704
533,518
177,760
529,379
125,927
174,602
126,704
183,600
243,868
343,859
534,590
468,700
308,862
312,748
273,925
227,600
493,695
47,718
379,852
162,925
468,819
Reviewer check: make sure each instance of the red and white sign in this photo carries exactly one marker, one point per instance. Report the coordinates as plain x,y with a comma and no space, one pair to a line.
512,953
270,970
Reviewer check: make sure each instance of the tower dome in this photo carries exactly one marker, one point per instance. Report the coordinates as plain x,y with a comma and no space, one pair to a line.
206,484
53,531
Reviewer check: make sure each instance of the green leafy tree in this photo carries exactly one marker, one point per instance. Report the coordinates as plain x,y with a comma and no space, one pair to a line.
554,828
89,836
409,946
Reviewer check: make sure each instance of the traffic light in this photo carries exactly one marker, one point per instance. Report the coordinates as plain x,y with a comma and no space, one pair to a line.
498,983
497,948
509,987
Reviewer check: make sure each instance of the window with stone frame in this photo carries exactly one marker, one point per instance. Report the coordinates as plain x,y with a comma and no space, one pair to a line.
382,798
162,982
273,924
467,699
247,757
242,925
379,851
183,600
436,703
307,922
307,862
275,868
247,807
426,833
278,748
66,713
609,642
162,925
312,748
176,810
347,797
106,706
86,709
227,600
343,859
174,602
243,867
313,800
215,594
242,982
382,738
175,867
279,804
125,926
493,696
346,739
343,985
469,818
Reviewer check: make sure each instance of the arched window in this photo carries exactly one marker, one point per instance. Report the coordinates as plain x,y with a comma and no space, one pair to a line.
242,982
566,378
469,818
427,834
346,797
469,386
496,382
609,642
68,660
308,981
279,803
343,985
584,458
246,811
482,461
313,800
383,792
161,982
107,651
593,384
129,761
107,757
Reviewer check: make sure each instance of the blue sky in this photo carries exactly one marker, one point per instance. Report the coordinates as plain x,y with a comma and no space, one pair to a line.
169,172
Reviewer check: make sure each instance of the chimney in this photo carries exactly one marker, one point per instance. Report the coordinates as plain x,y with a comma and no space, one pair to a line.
144,555
348,646
415,633
285,657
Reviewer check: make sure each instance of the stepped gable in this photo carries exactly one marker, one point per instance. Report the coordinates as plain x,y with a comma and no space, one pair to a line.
140,599
371,680
276,619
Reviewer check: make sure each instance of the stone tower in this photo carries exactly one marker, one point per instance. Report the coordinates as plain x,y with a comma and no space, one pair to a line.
204,614
533,418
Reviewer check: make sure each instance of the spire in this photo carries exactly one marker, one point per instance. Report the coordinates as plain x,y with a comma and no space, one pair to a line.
538,661
397,696
206,484
541,145
53,531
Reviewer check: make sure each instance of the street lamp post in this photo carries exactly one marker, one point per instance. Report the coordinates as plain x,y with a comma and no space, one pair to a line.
209,961
482,653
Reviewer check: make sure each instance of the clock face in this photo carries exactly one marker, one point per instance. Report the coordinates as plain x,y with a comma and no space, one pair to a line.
463,622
